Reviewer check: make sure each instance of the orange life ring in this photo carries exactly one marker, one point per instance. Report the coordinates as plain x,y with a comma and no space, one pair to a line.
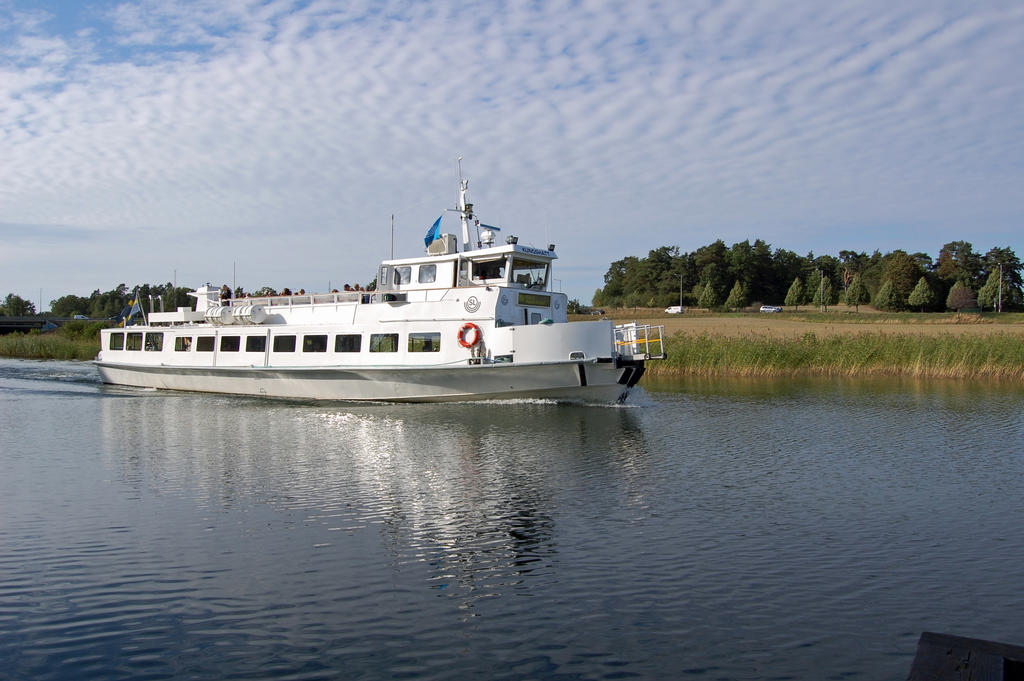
466,328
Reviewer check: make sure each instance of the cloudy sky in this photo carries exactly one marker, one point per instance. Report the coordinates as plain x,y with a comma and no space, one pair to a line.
272,140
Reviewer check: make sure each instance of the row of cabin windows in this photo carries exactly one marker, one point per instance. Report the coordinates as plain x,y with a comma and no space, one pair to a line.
343,342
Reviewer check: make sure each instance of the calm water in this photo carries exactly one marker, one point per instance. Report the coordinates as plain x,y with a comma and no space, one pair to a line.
714,530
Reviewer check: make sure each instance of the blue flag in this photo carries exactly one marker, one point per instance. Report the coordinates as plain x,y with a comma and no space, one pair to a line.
432,232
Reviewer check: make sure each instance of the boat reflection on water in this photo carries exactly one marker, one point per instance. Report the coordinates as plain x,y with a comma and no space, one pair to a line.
468,496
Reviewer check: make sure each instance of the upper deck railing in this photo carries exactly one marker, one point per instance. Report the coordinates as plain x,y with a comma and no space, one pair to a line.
295,300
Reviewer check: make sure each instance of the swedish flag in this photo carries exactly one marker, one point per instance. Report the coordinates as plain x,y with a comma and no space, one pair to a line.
129,312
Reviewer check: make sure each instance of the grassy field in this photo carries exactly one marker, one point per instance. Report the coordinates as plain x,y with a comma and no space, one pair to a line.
840,342
838,320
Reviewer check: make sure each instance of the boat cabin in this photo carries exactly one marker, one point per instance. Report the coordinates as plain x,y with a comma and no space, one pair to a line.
515,279
511,265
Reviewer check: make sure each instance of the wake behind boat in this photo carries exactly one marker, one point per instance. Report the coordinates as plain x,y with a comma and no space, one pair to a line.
475,323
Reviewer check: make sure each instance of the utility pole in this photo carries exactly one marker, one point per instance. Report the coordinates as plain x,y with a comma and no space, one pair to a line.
821,289
680,292
1000,287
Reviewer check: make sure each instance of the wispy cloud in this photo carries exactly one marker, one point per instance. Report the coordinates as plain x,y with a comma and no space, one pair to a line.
282,135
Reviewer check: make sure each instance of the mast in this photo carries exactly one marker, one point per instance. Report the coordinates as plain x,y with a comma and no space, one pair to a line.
465,211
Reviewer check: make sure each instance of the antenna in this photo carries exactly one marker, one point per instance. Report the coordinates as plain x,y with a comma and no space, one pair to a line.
464,208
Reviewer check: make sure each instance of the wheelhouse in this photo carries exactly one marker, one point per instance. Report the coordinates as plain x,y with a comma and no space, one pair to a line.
511,266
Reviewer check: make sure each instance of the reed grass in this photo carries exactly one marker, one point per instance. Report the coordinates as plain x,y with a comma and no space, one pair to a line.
70,345
996,355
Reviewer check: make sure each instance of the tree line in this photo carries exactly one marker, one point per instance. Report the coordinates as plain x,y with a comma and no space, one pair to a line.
103,305
717,276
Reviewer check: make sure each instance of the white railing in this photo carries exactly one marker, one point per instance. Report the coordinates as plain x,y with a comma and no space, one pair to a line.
640,341
296,299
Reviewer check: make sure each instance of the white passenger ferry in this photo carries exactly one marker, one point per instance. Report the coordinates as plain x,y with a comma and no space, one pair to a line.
475,323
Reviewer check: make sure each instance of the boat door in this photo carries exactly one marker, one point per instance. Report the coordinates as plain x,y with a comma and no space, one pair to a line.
536,307
532,316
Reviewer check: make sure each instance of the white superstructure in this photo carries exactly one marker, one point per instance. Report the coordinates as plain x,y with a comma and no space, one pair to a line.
469,324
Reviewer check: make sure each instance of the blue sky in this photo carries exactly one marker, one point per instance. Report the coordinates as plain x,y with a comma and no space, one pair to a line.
273,140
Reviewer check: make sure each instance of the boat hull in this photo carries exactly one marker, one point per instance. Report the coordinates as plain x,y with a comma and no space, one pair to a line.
602,382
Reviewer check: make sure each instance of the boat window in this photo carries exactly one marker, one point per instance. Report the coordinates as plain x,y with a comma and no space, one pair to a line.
134,342
489,269
314,343
347,342
284,343
255,343
534,300
230,343
383,342
183,343
403,275
154,341
529,273
425,342
117,341
204,344
427,274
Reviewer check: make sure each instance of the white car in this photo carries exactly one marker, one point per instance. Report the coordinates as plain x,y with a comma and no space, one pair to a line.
771,308
675,309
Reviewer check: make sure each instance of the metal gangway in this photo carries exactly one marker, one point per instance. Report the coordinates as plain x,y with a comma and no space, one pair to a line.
640,341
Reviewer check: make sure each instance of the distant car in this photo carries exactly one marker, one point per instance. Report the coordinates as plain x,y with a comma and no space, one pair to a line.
771,308
675,309
597,312
79,316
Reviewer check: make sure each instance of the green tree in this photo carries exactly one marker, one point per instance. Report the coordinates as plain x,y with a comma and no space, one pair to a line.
752,267
823,294
961,298
902,271
708,297
989,293
854,262
737,297
615,280
16,306
885,299
922,296
1006,261
857,294
714,276
958,262
795,296
70,305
